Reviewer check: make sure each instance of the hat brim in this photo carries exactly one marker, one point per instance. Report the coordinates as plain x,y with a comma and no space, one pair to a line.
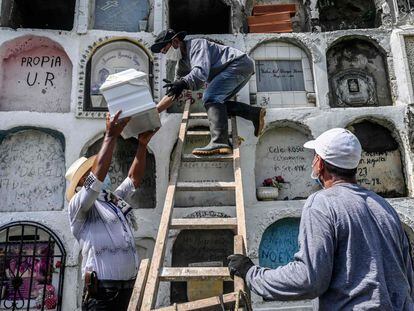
157,47
82,170
310,144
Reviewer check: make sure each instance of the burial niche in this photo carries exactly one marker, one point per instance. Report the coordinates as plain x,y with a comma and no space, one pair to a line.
108,59
200,16
57,14
280,152
145,195
32,170
381,168
358,75
36,75
347,14
283,77
201,248
121,15
279,243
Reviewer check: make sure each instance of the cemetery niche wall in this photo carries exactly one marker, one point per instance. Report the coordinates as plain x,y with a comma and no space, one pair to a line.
283,77
279,243
109,58
36,75
32,170
381,168
358,74
280,152
201,248
124,153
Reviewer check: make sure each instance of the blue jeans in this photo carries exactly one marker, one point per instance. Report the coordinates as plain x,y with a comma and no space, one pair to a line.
230,81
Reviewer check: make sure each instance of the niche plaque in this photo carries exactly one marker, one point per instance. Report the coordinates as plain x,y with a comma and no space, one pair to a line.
279,75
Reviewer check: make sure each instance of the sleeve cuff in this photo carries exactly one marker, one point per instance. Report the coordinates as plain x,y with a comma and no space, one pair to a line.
92,182
249,276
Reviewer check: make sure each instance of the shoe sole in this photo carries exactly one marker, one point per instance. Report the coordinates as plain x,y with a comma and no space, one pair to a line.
261,122
212,152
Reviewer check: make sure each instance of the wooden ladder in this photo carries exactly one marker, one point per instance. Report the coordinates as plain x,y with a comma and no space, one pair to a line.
151,273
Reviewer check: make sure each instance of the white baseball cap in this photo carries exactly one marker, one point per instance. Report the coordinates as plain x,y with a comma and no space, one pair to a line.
338,147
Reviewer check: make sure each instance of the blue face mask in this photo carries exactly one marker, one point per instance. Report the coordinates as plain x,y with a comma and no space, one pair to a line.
107,183
316,179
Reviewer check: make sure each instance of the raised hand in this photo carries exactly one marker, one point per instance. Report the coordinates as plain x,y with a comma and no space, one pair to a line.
144,138
175,88
115,126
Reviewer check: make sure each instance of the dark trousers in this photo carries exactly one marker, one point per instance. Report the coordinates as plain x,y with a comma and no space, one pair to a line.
108,299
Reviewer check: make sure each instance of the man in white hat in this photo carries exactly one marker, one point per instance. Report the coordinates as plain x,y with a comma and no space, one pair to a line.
103,222
353,255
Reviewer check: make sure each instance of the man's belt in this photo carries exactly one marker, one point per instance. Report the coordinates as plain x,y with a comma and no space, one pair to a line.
116,284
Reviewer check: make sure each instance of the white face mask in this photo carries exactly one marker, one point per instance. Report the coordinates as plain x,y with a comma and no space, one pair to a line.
174,54
316,178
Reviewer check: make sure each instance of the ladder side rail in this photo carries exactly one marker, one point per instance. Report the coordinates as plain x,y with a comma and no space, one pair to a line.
151,288
139,286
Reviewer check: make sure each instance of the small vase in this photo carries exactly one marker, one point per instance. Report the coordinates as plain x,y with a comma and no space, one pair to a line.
267,193
143,25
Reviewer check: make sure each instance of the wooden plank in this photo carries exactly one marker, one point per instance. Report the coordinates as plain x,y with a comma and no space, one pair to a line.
268,18
139,286
208,304
283,27
194,273
198,115
274,8
198,133
238,249
151,289
212,158
206,186
204,223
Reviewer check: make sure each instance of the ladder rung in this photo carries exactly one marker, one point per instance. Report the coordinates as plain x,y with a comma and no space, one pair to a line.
204,223
206,186
198,115
194,273
213,158
198,133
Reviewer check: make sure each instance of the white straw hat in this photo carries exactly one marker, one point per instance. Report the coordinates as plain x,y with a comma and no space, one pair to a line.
76,172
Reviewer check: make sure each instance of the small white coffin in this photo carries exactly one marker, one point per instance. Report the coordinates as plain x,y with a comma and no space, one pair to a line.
129,91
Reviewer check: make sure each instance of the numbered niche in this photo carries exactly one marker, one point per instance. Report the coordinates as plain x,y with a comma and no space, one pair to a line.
145,195
108,59
381,168
201,248
358,75
280,152
283,77
34,67
32,166
279,243
122,15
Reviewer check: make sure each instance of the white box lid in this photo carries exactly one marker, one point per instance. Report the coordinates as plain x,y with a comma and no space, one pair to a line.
126,76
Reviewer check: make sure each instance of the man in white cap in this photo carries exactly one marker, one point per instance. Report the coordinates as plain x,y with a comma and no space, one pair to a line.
353,252
103,222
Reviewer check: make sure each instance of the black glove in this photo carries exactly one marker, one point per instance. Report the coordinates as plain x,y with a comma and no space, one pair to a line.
239,265
175,88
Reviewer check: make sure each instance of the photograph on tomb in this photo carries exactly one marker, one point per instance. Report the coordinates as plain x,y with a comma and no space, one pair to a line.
358,75
280,152
32,170
283,76
201,248
35,67
108,59
279,243
121,15
409,50
124,153
381,168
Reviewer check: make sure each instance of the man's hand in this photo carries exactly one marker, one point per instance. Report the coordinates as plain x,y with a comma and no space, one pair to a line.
239,265
144,138
116,126
175,88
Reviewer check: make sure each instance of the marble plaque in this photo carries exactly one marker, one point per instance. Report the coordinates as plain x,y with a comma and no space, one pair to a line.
279,75
32,171
279,243
409,49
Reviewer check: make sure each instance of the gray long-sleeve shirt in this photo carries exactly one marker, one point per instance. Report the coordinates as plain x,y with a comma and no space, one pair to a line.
204,60
354,255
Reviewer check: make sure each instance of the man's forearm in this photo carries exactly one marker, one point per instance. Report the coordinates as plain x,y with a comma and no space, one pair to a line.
165,103
103,160
137,169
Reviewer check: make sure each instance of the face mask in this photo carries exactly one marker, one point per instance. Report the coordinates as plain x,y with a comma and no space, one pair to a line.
107,183
316,178
173,54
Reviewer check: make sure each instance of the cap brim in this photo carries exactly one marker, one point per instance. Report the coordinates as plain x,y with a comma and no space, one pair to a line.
86,166
310,144
157,47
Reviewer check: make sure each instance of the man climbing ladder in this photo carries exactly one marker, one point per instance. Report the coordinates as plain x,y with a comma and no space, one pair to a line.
226,70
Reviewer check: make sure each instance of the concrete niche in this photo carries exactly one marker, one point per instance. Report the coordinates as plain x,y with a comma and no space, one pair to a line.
358,75
36,75
200,16
280,151
283,77
32,170
279,243
145,195
201,248
380,168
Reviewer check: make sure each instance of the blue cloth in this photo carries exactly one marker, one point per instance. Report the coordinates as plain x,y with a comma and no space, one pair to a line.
353,255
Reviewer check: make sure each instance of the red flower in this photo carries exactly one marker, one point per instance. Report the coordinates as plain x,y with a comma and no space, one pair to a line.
58,264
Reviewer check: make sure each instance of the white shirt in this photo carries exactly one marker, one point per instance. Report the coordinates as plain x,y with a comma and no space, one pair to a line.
103,232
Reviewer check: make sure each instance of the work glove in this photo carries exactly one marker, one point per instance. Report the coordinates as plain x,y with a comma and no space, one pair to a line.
175,88
239,265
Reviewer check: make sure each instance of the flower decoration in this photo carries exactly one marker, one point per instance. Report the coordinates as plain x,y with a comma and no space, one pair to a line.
275,182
